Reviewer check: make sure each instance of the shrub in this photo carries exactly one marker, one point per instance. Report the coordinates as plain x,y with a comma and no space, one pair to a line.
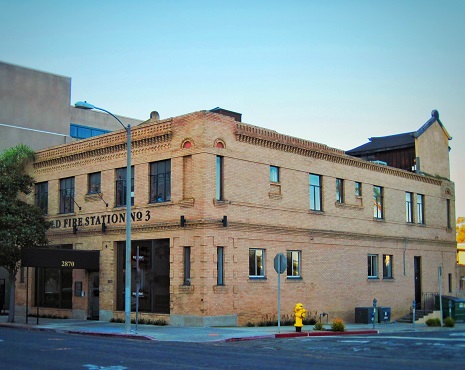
338,325
449,322
433,322
318,326
250,324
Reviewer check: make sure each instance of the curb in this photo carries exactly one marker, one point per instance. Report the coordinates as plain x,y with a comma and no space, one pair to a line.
326,333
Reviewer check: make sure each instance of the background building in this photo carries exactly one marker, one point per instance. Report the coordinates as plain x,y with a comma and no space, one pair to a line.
215,200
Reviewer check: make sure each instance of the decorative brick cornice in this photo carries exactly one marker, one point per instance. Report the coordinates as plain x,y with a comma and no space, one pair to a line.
107,145
273,140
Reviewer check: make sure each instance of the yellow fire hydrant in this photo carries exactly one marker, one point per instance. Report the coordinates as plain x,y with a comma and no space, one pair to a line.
300,313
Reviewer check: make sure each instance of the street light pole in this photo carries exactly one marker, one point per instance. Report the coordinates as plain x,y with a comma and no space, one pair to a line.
127,285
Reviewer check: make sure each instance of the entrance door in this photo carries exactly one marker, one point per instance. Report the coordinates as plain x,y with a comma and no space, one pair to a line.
94,286
417,277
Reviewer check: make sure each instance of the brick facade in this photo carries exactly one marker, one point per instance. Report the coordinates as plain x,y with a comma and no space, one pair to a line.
333,243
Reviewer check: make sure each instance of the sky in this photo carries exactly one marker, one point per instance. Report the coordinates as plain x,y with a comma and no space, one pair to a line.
335,72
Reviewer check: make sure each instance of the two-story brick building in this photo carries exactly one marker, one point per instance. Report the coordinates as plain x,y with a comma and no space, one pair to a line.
214,201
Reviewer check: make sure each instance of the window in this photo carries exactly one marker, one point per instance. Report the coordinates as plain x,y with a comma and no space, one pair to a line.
41,196
372,266
315,193
449,280
160,181
409,207
387,266
94,183
358,189
293,263
256,263
120,197
378,202
420,208
339,190
55,287
84,132
448,213
220,266
67,195
219,178
274,174
187,266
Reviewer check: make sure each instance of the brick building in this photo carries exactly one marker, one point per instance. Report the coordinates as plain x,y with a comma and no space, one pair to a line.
214,201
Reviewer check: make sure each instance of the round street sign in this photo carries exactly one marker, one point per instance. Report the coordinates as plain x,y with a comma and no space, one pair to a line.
280,263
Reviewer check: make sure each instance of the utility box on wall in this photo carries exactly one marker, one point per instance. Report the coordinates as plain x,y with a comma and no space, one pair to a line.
363,315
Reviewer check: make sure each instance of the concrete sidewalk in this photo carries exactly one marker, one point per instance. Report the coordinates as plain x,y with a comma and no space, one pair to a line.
202,334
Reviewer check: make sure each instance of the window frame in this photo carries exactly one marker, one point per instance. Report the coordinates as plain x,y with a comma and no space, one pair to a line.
220,266
378,209
120,182
41,196
316,192
373,268
187,266
358,189
339,190
67,185
91,180
388,266
160,181
256,272
219,178
409,207
291,271
274,174
420,209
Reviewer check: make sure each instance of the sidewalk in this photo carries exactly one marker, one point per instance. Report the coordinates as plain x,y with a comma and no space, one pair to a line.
202,334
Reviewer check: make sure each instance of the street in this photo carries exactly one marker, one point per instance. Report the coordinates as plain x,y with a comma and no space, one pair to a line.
442,349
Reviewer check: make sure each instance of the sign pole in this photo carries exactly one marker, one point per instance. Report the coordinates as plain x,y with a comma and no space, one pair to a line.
279,297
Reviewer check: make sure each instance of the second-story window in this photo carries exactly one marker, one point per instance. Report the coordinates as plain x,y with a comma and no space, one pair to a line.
160,181
219,178
378,202
94,183
67,195
41,196
339,190
420,209
409,207
274,174
120,186
315,193
358,189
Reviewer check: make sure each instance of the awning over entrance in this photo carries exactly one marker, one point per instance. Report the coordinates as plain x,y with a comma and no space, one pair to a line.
60,258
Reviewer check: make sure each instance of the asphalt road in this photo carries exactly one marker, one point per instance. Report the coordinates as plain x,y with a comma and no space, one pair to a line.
22,349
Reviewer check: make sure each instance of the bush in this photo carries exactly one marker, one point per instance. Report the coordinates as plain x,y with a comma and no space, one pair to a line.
433,322
449,322
338,325
318,326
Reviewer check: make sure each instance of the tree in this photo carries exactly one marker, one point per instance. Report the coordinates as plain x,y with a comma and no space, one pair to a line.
22,225
460,229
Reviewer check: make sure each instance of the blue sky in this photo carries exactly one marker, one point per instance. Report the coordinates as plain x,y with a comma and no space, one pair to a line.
335,72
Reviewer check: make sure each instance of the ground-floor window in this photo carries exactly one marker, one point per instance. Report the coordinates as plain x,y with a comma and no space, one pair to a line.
256,263
293,263
55,287
372,266
154,275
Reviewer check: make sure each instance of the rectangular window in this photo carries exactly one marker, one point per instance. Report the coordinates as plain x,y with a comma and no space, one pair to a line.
448,213
160,181
220,266
187,266
450,282
387,266
256,262
41,196
67,195
315,192
293,263
274,174
409,207
84,132
358,189
372,266
339,190
94,183
55,287
120,186
219,177
378,202
420,209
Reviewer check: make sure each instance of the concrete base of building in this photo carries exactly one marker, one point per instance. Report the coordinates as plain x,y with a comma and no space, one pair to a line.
203,321
79,314
105,315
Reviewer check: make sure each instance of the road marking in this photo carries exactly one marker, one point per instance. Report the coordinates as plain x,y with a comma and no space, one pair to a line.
354,341
97,367
420,339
